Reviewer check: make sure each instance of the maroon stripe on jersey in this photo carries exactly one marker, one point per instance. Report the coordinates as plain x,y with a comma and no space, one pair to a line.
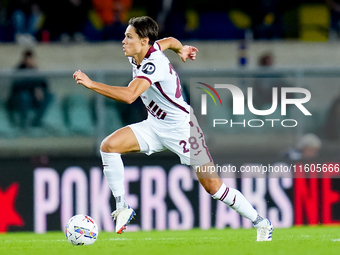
151,104
151,49
163,116
158,86
159,112
143,77
225,193
154,109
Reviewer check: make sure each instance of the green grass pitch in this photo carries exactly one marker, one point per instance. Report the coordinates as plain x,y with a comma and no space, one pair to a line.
297,240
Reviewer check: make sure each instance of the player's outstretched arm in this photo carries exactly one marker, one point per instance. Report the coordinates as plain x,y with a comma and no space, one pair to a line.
122,94
185,52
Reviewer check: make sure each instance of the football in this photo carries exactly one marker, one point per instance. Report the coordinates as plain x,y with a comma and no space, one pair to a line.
81,230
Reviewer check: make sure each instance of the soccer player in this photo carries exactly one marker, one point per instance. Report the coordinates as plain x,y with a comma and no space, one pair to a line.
170,125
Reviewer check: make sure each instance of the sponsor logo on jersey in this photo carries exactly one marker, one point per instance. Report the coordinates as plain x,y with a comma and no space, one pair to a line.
148,68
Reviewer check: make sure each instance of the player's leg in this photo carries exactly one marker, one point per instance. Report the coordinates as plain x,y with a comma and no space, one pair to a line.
198,155
218,190
209,178
234,199
121,141
138,137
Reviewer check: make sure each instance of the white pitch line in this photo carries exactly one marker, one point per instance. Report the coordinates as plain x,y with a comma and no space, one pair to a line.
160,238
145,239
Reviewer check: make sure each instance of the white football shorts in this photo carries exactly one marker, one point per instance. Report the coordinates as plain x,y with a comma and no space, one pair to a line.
187,141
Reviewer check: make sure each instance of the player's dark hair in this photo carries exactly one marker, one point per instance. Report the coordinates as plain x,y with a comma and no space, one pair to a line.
145,27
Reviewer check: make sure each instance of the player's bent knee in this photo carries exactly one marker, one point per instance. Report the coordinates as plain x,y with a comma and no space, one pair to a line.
211,185
108,145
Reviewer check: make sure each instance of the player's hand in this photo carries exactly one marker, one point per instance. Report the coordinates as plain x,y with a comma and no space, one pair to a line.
82,78
188,52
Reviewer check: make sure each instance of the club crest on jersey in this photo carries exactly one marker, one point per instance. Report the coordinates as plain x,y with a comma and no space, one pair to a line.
148,68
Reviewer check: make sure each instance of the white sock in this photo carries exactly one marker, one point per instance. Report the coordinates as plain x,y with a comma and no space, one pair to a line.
113,169
234,199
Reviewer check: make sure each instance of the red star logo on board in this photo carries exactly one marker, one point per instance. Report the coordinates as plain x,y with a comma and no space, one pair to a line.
8,214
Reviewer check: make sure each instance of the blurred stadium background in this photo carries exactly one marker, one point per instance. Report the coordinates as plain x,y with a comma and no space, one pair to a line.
52,171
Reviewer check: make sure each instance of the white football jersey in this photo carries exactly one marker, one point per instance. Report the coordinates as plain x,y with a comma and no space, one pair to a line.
163,100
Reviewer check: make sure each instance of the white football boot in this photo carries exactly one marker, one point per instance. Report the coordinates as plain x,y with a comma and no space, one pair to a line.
264,230
123,216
